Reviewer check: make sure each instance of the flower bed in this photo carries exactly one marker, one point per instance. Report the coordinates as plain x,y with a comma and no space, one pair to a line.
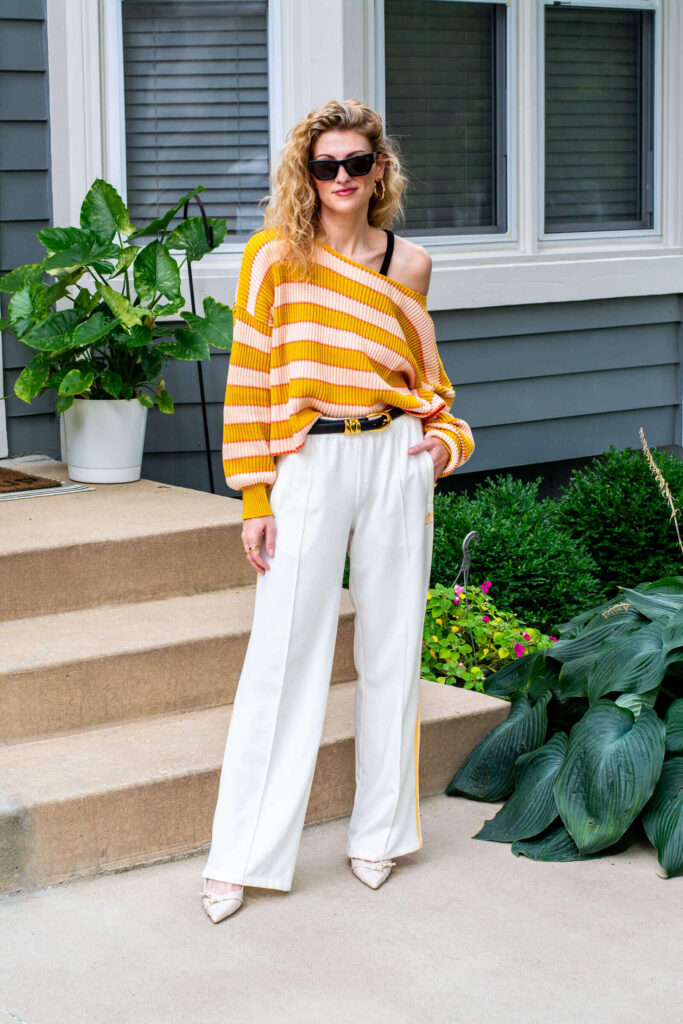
466,637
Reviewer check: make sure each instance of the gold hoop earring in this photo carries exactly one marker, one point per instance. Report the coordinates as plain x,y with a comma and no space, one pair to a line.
374,189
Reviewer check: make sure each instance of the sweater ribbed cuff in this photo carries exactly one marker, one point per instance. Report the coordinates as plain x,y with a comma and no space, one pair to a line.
255,502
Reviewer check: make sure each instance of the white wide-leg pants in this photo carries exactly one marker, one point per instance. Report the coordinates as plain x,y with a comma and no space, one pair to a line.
366,494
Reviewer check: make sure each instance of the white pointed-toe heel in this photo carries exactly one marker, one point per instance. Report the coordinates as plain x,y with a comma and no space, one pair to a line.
372,872
220,905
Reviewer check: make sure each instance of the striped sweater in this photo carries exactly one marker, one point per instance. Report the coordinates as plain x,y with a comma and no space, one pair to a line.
348,342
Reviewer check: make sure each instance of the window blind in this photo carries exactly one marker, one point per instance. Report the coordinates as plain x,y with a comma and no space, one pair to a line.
196,103
445,92
598,119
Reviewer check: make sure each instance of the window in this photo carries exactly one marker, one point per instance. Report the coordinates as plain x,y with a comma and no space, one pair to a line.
598,118
445,86
196,103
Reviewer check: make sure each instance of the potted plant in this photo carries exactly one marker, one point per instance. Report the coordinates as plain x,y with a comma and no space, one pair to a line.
104,350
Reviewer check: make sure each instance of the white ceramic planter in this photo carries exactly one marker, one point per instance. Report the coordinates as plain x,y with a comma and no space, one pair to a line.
103,440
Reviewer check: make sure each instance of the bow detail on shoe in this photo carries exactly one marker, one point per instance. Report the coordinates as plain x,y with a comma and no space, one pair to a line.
375,865
214,897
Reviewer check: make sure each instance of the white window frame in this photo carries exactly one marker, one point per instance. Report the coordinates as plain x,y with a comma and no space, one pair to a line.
501,240
655,232
307,65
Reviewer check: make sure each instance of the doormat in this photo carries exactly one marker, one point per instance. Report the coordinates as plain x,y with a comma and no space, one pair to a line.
14,483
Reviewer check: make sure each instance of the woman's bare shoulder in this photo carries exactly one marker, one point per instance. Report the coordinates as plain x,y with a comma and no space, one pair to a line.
411,264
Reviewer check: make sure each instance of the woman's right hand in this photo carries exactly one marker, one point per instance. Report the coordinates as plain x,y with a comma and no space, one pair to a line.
252,531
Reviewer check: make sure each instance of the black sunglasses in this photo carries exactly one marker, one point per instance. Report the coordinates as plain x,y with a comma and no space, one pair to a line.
355,166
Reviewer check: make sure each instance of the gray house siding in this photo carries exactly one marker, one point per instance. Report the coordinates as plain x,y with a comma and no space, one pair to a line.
539,384
25,198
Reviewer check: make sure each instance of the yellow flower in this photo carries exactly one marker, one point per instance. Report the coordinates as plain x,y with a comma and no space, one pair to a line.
456,629
485,651
440,621
497,619
435,639
503,652
429,593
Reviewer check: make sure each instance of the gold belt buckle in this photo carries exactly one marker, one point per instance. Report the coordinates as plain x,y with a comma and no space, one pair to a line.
351,426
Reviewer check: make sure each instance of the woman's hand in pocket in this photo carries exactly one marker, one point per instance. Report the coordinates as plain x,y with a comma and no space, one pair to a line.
253,530
437,450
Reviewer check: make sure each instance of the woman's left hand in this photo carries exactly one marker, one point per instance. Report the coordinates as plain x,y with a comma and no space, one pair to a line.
437,450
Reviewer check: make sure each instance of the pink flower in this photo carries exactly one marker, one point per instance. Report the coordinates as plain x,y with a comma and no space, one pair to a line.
486,586
423,644
486,618
553,638
519,650
526,636
458,589
456,600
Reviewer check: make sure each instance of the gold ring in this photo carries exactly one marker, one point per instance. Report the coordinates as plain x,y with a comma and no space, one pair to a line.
254,547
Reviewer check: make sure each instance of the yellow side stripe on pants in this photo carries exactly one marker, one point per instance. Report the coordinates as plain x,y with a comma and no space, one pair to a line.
417,773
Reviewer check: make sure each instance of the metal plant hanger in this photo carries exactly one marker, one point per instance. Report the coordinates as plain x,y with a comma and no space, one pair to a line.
464,571
209,238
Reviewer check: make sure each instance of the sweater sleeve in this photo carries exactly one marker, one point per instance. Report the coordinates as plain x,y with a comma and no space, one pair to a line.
247,462
454,433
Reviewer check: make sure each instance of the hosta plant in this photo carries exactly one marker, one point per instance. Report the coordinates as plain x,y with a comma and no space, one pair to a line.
466,637
591,753
116,282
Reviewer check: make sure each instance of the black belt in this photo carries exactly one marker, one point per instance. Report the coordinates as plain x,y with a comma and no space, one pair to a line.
354,424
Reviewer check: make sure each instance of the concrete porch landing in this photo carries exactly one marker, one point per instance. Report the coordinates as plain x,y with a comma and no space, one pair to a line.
461,933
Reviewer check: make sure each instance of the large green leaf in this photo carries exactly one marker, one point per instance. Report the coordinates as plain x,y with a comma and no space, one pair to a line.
122,309
55,332
112,383
59,239
590,640
188,345
635,702
139,335
125,259
663,817
512,676
103,212
76,382
89,249
488,772
654,603
190,236
215,327
631,664
32,377
154,271
20,276
674,727
612,765
558,845
93,329
531,807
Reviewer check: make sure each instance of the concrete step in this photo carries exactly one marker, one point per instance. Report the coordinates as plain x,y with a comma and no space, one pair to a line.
116,543
144,791
77,670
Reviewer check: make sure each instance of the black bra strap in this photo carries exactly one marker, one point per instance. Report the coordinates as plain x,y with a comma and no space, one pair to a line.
388,254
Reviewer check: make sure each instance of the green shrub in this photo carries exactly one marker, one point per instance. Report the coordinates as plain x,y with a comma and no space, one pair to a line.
614,506
537,569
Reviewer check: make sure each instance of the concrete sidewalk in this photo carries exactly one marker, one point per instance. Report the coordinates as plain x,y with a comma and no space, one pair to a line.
462,931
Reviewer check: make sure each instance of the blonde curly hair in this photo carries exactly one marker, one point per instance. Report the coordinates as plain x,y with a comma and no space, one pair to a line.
293,208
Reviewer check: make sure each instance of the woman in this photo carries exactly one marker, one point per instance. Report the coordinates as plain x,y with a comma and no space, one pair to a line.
336,428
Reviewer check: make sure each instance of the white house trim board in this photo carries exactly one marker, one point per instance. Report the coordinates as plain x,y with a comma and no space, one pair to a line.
320,49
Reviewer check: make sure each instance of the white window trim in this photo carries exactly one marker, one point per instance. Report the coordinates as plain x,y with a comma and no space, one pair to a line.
547,240
307,65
